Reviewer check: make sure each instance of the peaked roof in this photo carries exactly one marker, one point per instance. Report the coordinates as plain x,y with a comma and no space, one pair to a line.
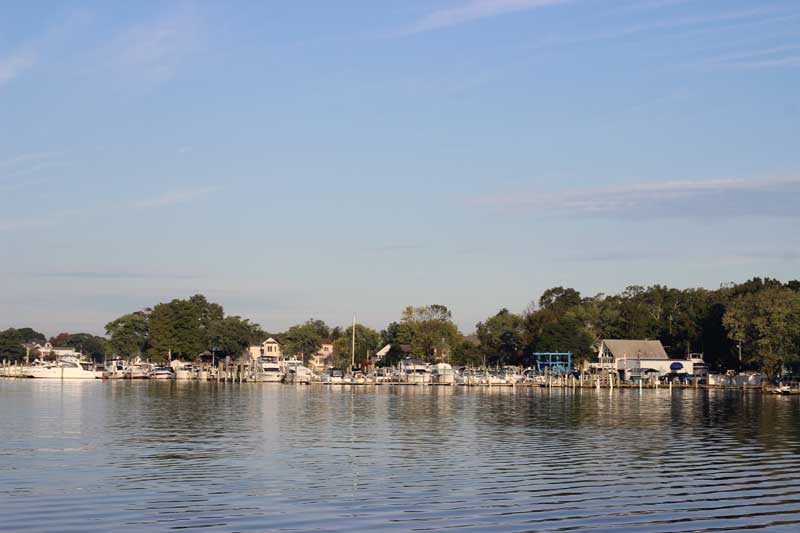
634,349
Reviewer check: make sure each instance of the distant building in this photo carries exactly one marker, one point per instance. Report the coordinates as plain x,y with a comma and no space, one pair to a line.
48,350
269,347
323,359
380,354
634,359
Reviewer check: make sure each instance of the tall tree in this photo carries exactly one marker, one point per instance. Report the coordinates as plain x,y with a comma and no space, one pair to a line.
367,342
60,339
128,334
31,335
429,331
767,324
86,343
303,340
11,345
232,335
182,327
501,338
567,335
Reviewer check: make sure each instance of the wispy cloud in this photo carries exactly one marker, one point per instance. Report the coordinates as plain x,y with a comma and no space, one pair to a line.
475,10
152,51
92,275
175,197
703,199
790,61
34,52
45,219
28,158
657,4
776,56
14,64
49,218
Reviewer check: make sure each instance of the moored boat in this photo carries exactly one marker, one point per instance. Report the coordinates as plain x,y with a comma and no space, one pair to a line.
65,369
443,374
268,370
163,372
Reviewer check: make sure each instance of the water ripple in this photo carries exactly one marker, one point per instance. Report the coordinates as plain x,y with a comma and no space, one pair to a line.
129,456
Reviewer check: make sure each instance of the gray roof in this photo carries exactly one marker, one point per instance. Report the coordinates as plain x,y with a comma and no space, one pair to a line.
632,349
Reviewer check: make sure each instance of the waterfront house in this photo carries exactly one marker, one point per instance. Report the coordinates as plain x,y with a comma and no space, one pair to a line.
48,350
380,354
633,359
323,358
269,347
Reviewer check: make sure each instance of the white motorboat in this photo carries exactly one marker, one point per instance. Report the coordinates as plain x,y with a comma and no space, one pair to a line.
139,370
334,376
467,377
415,372
64,369
512,375
380,375
115,369
268,370
163,372
296,372
183,371
443,374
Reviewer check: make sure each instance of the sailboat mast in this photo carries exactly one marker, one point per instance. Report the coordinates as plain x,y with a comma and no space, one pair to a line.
353,352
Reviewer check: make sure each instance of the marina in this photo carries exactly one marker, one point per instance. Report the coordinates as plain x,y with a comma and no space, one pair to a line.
411,372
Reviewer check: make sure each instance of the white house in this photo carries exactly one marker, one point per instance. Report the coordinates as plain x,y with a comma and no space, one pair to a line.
48,350
323,358
268,347
635,358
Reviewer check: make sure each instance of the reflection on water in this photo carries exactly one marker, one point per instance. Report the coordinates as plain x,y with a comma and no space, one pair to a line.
78,456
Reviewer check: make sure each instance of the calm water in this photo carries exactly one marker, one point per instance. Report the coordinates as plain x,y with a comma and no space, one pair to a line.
78,456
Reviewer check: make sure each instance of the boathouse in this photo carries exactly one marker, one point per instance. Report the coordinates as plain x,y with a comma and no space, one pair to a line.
633,359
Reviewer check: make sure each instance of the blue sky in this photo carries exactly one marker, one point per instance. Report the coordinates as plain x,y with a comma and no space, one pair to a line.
314,159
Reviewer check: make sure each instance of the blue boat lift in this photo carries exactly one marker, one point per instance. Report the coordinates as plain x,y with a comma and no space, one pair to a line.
553,363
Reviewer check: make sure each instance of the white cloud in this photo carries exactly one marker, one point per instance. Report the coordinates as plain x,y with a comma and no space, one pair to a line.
475,10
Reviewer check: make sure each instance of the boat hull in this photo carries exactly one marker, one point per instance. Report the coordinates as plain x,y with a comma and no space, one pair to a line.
60,373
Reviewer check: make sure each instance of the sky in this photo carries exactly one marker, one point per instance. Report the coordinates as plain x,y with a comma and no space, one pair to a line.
304,159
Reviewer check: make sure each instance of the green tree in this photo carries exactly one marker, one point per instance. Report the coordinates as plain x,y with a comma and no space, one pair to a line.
31,335
232,335
368,341
11,347
91,345
567,335
467,352
559,300
182,327
429,331
303,340
501,337
128,334
767,323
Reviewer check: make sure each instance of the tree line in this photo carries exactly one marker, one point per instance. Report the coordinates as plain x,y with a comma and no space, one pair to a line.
759,319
